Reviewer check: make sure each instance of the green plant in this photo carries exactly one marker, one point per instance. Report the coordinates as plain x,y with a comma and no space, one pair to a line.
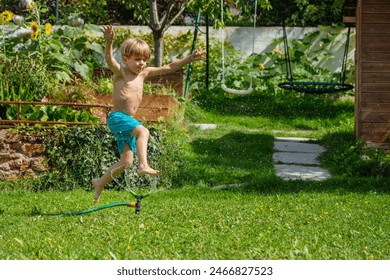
78,155
104,85
64,51
309,57
38,61
308,61
346,156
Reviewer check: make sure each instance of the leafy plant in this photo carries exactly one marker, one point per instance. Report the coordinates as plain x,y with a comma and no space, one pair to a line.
37,62
346,156
64,51
78,155
309,57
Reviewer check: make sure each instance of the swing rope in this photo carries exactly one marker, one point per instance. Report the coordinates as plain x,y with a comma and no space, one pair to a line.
311,87
223,85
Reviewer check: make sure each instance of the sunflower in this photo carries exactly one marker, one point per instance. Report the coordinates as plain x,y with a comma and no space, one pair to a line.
6,16
35,30
48,28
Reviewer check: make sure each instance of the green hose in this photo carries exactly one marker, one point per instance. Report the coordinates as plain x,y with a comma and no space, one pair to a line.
136,205
114,204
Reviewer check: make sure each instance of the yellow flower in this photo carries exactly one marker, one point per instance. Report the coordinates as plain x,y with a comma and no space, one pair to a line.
261,66
6,16
48,28
35,30
30,4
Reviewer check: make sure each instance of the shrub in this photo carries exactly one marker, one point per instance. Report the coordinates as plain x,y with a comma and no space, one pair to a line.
78,155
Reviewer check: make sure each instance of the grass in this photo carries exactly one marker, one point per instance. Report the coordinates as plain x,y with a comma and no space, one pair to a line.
209,217
197,222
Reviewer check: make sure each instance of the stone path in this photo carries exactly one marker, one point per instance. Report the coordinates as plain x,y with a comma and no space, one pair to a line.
295,158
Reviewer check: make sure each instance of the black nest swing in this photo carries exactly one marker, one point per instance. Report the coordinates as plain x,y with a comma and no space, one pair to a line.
311,87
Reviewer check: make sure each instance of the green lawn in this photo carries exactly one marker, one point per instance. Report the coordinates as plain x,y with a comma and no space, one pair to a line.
345,217
197,222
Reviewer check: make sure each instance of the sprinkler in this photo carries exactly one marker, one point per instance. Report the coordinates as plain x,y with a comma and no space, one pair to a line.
136,205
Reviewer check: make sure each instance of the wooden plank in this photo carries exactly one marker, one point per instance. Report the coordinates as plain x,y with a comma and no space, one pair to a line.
376,137
375,42
158,101
365,2
375,127
154,107
377,107
376,67
375,18
375,38
373,8
377,117
358,55
375,28
375,97
375,57
376,87
375,47
376,77
349,20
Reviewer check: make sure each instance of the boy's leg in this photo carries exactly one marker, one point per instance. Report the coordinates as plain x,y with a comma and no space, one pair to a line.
126,159
142,135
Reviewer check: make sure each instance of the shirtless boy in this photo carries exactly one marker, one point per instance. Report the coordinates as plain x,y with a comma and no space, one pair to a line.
130,134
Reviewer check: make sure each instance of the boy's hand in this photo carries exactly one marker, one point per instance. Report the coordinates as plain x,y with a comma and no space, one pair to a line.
198,55
108,33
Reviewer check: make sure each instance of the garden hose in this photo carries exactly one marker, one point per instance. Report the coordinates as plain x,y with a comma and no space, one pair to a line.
129,204
136,205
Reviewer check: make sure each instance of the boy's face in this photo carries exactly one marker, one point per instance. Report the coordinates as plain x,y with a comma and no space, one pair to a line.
135,63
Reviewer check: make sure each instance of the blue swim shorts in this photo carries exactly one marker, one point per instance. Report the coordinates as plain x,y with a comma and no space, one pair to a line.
122,125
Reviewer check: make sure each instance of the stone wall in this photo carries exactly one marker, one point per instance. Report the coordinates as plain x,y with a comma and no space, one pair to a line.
21,154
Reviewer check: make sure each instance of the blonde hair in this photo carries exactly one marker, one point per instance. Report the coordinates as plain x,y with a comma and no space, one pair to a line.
135,46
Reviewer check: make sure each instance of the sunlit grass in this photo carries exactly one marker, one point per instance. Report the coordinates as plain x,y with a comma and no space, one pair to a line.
225,203
198,222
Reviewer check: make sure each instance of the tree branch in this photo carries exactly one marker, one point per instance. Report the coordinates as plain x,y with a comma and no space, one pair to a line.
166,15
145,18
167,25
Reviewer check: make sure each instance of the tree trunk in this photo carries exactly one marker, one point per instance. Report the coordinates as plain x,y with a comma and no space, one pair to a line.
158,38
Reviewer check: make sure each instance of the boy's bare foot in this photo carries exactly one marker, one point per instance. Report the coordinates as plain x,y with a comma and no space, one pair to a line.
98,190
147,171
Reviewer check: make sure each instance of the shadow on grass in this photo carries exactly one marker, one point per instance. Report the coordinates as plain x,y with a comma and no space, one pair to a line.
277,106
245,159
235,157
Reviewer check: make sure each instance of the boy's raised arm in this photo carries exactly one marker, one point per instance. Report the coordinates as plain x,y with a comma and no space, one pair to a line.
109,34
176,65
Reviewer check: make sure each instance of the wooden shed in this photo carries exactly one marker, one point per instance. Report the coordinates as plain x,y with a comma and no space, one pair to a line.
372,106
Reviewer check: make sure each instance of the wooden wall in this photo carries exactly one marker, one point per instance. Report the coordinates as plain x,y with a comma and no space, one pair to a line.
372,109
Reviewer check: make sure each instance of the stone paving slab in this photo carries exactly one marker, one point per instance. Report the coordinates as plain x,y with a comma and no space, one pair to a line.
296,158
295,139
296,172
205,126
286,146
